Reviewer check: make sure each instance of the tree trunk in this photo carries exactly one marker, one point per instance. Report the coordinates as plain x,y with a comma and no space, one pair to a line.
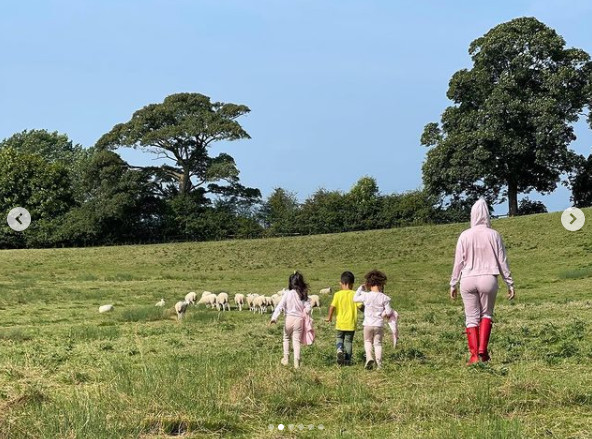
512,199
184,182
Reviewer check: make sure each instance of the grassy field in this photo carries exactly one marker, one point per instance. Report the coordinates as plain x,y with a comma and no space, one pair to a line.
67,371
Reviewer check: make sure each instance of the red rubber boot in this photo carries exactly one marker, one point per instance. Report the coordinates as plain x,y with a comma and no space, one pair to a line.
484,333
473,342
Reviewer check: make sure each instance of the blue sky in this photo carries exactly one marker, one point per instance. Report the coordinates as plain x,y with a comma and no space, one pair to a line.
337,89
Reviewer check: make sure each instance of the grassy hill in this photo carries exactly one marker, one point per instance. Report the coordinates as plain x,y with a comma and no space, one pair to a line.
68,371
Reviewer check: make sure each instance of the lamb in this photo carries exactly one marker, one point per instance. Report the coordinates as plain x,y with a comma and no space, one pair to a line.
180,308
275,299
191,298
326,291
106,308
222,300
239,300
315,302
160,303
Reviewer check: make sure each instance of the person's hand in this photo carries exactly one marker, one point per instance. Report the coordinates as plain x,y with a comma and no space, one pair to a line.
453,292
511,293
328,320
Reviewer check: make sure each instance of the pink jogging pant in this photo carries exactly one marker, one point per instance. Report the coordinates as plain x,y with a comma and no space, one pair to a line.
478,294
293,330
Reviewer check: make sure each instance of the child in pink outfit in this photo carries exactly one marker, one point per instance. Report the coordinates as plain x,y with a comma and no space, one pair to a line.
376,307
295,304
479,258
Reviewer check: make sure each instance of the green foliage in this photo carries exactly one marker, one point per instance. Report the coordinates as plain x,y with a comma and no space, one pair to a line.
509,129
529,207
581,183
182,129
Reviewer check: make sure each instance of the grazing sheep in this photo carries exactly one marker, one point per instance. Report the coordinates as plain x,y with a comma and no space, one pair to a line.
206,293
315,302
250,299
239,300
205,299
106,308
160,302
180,308
191,298
275,299
211,300
260,304
326,291
222,300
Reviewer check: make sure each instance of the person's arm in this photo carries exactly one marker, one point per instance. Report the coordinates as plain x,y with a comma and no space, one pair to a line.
387,307
459,263
502,261
331,311
360,294
278,309
307,307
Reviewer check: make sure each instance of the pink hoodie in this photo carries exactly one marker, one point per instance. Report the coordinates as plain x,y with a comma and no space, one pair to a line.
480,249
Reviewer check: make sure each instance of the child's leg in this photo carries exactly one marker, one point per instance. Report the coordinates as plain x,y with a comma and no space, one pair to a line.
339,339
298,323
349,340
378,334
368,336
288,330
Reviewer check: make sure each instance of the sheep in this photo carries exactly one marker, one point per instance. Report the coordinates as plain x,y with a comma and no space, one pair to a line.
326,291
206,293
106,308
160,303
260,304
315,302
275,299
250,300
222,300
180,308
211,300
191,298
205,299
239,300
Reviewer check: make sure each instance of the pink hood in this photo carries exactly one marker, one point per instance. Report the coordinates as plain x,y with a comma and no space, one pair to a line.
480,214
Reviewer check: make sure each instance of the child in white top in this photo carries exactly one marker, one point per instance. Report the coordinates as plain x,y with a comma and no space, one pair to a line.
295,304
376,308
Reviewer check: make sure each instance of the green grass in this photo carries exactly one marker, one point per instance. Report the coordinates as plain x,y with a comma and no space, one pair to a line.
67,371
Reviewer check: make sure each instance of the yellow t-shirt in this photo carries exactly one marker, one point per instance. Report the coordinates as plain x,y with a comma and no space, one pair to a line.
346,310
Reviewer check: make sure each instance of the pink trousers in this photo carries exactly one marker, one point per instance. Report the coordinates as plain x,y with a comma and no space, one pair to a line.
293,330
373,337
478,294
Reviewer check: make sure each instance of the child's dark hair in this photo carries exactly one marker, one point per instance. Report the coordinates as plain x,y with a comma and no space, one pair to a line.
375,278
347,278
297,283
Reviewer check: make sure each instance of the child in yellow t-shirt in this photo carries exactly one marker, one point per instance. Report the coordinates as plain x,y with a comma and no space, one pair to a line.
347,317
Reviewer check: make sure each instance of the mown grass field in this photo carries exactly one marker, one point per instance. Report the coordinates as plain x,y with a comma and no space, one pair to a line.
67,371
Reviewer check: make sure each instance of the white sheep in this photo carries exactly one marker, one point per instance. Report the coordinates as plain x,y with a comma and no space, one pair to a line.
180,308
250,300
239,300
206,293
211,300
326,291
205,299
315,302
275,299
222,301
160,303
191,298
260,304
106,308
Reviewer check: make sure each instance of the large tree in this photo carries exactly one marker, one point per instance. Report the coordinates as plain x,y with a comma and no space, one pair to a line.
182,129
511,124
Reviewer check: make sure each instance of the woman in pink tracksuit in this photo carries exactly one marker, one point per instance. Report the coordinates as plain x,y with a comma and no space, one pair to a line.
480,257
295,304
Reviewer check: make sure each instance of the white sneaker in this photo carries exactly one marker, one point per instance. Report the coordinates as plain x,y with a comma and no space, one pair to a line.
369,364
296,363
285,361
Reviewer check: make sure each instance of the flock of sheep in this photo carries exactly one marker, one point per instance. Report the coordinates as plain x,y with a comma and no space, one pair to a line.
257,303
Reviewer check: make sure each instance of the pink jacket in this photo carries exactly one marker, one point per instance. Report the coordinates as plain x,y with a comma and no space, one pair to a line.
292,305
480,249
376,304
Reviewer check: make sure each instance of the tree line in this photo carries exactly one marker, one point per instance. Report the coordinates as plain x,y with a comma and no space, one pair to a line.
507,133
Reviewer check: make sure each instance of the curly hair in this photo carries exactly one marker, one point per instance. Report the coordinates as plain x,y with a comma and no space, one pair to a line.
298,283
375,278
